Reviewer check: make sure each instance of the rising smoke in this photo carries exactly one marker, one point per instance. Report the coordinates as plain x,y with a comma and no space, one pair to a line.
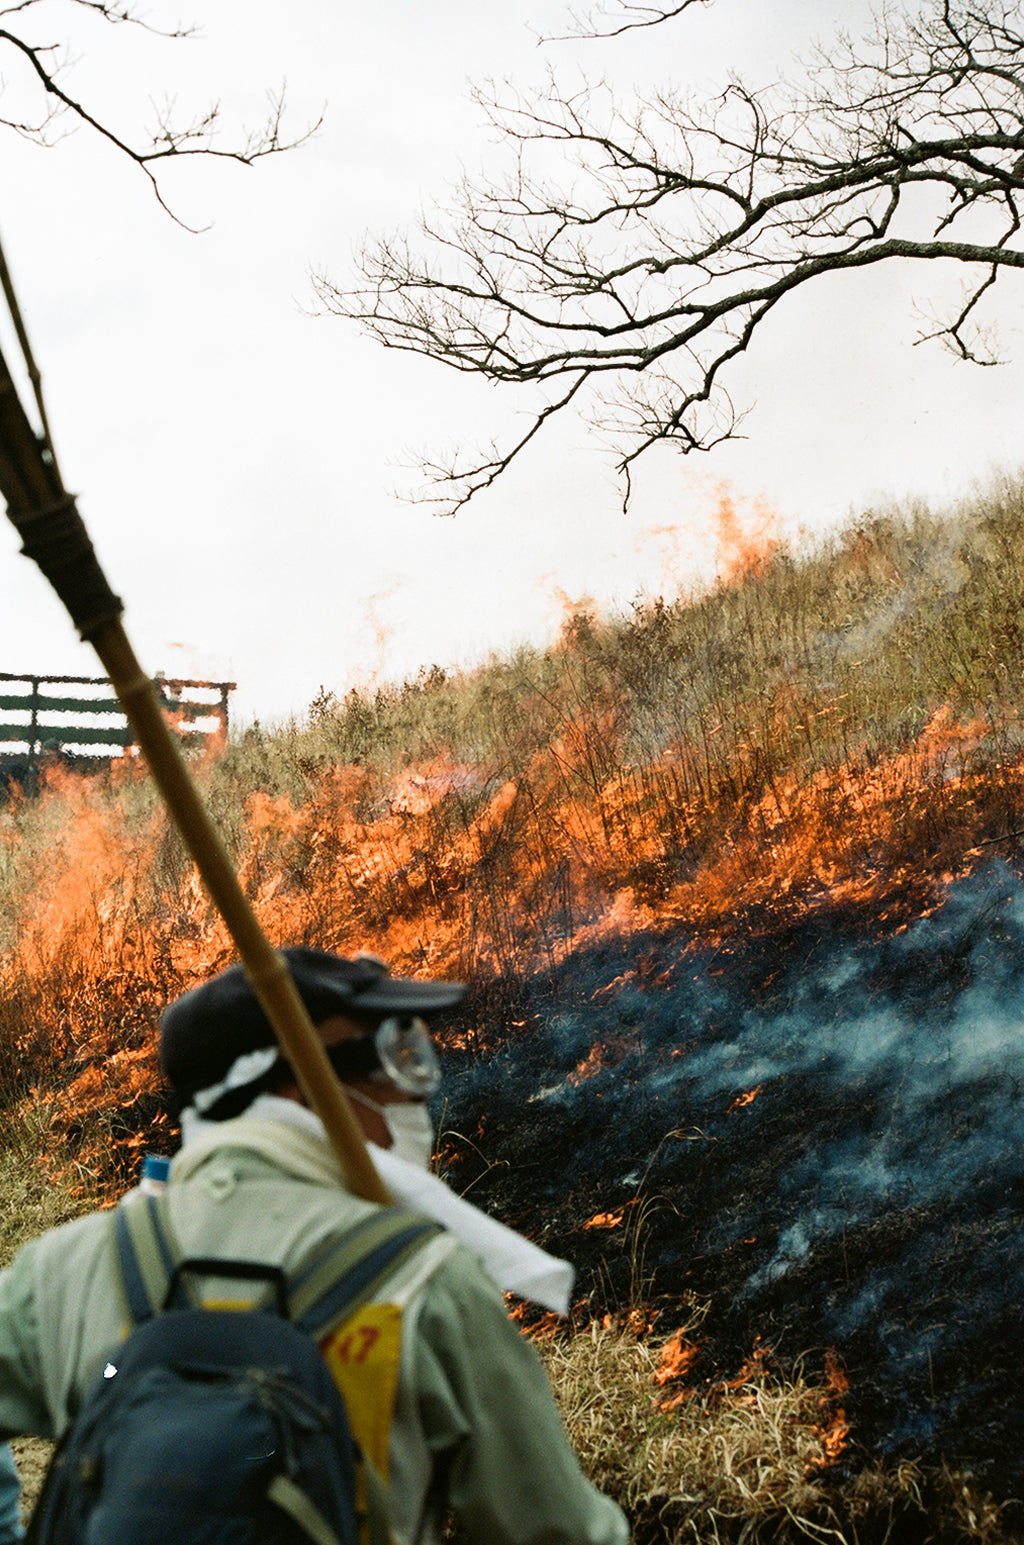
864,1195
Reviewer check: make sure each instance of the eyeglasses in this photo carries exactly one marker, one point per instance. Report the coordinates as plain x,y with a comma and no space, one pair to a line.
400,1048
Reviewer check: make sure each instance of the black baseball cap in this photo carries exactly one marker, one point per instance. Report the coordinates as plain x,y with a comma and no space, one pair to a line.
206,1030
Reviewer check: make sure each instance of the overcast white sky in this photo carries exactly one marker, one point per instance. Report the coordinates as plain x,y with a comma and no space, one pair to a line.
235,457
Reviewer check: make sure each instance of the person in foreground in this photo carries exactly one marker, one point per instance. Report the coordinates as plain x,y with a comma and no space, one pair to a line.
448,1401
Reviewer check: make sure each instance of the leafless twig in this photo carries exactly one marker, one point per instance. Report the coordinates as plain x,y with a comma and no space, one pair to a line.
630,253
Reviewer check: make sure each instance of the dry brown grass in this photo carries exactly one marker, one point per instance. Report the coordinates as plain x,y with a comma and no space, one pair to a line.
714,1461
29,1201
29,1204
744,1461
843,729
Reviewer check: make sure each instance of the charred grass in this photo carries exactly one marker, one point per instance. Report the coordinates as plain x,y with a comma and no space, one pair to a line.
750,1459
817,737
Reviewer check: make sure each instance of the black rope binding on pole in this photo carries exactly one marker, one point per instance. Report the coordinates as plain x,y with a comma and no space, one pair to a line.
54,536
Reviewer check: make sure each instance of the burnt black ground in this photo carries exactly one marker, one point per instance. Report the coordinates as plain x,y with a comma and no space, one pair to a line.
867,1199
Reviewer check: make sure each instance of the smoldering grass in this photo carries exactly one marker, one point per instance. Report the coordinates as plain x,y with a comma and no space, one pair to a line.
748,1460
837,727
825,729
830,728
727,1454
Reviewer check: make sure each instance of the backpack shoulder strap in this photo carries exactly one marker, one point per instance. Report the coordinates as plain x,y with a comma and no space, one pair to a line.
155,1274
347,1271
322,1292
145,1254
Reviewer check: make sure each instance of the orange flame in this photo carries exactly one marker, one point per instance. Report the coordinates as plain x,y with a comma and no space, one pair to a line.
742,553
469,871
753,1369
742,1100
607,1055
606,1219
677,1358
834,1430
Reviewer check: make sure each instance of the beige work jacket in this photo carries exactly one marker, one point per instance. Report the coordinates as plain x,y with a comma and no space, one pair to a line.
466,1420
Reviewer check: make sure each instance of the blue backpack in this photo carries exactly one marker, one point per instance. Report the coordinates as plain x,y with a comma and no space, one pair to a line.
213,1426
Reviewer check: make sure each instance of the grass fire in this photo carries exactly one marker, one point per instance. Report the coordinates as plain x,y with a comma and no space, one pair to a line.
738,878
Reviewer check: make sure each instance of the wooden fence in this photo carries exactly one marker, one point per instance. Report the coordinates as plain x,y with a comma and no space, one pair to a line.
80,719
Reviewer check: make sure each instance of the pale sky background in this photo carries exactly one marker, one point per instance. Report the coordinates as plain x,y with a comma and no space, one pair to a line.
235,458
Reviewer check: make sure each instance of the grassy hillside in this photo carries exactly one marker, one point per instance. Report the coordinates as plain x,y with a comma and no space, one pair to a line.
827,733
838,728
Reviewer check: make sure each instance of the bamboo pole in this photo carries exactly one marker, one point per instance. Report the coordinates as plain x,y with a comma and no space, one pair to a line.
265,967
54,534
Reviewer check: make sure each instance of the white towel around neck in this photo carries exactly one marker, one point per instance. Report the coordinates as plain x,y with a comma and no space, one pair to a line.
295,1137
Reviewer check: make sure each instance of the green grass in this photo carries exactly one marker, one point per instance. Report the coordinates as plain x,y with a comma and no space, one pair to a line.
29,1202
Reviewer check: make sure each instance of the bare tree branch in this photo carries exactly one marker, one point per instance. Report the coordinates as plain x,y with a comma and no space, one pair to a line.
635,251
629,16
109,10
46,64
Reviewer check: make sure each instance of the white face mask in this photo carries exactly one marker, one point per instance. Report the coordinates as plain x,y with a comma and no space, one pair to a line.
409,1127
